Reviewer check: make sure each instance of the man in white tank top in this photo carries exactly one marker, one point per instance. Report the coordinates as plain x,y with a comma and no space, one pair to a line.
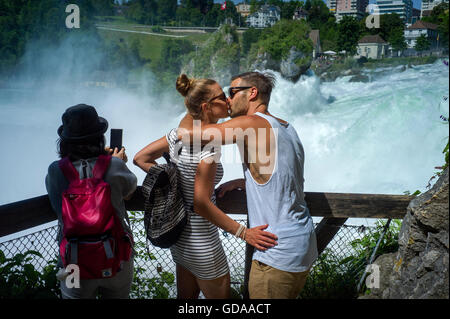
273,159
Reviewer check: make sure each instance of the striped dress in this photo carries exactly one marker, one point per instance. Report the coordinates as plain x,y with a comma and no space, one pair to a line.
199,248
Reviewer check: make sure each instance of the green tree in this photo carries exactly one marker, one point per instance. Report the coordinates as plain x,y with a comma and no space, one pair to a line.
329,35
282,36
390,24
348,35
23,21
172,55
318,13
444,30
143,11
212,17
422,43
249,37
103,7
195,17
202,5
288,8
166,10
397,40
439,15
436,13
254,6
135,12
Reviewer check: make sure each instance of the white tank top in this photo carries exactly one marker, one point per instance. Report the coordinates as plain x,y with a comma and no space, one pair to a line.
280,202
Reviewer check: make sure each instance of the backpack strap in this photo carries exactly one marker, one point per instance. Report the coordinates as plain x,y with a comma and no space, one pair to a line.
101,166
68,169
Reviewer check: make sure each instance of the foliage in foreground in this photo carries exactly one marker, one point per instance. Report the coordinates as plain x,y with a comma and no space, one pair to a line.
337,277
20,279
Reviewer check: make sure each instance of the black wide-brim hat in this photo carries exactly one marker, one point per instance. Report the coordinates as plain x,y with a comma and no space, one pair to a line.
81,122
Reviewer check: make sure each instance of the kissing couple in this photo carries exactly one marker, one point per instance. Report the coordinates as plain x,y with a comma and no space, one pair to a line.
280,227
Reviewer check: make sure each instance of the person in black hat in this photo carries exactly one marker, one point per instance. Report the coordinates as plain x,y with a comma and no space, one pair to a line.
81,134
81,139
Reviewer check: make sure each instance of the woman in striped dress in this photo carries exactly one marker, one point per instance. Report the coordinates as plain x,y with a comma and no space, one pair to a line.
201,264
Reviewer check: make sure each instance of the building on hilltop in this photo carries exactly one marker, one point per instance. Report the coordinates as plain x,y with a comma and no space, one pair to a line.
419,28
243,9
404,8
353,8
265,17
428,5
331,4
372,46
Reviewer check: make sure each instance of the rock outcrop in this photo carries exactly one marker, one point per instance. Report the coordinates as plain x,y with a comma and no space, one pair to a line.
295,64
291,67
264,61
419,270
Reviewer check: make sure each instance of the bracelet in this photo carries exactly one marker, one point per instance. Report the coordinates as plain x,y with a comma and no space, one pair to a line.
239,231
245,233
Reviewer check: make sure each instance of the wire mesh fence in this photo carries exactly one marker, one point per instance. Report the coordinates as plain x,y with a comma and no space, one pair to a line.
337,270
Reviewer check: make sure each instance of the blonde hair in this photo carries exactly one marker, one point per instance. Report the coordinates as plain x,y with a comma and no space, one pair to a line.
195,92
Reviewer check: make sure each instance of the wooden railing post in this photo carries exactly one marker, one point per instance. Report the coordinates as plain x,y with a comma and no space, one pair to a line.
326,230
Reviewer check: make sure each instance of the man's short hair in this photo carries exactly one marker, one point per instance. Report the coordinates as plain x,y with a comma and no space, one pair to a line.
264,82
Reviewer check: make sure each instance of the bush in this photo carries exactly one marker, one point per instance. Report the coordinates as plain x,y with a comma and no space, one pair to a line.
19,278
158,29
362,60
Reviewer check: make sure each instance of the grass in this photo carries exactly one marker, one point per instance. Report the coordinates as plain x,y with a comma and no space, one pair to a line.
151,45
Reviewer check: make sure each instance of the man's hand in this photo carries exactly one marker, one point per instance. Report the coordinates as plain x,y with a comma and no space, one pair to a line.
229,186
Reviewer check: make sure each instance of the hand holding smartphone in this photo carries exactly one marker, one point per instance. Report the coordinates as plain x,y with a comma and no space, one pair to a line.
116,139
116,142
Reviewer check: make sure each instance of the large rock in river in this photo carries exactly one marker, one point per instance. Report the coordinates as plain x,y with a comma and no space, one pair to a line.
295,64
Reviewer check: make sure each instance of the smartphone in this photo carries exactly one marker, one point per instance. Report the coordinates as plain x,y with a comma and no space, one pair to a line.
116,138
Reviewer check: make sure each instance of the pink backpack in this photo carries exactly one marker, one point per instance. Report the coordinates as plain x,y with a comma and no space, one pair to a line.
93,236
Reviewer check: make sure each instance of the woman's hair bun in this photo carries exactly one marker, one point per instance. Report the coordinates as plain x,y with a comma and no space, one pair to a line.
184,84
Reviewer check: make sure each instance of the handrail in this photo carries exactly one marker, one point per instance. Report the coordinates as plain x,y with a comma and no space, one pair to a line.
18,216
336,208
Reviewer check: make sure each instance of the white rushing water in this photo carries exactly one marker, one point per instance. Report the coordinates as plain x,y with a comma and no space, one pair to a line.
381,137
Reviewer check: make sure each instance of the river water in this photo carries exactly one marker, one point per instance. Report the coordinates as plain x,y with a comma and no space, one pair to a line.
382,137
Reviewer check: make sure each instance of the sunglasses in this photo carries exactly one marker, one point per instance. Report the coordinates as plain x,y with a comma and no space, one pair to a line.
221,96
235,89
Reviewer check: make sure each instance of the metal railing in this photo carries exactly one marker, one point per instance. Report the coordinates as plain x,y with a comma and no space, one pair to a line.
151,262
154,276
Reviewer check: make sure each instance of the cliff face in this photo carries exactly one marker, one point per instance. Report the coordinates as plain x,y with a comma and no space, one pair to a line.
419,270
217,59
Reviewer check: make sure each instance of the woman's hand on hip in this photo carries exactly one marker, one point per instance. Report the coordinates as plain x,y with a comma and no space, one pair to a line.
259,238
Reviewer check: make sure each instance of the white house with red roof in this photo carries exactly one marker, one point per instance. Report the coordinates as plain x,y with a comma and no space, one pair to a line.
419,28
372,46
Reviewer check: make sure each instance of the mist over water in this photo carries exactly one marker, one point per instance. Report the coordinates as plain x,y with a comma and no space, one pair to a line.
379,137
